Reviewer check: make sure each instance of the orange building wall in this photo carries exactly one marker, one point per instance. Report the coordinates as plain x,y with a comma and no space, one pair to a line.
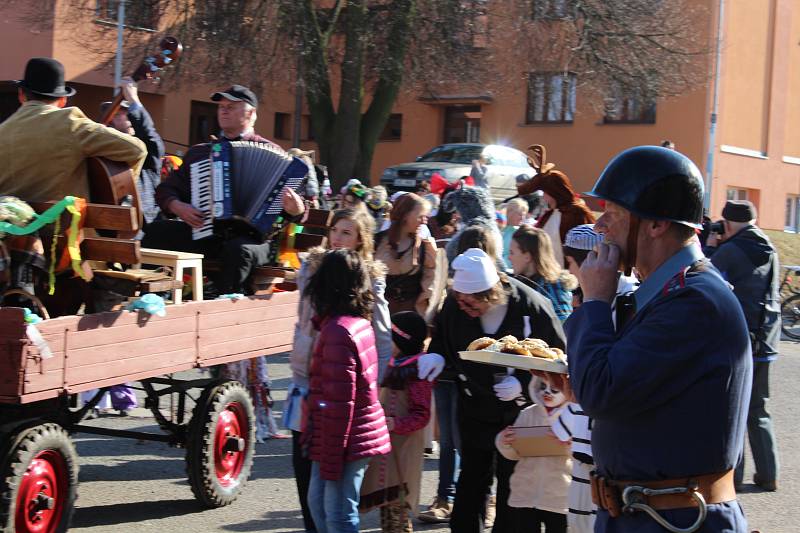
792,144
746,74
765,173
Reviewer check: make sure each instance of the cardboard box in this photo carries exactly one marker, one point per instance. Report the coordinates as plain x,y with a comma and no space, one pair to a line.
537,441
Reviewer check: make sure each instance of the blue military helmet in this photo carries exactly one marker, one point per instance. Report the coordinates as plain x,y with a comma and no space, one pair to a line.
654,183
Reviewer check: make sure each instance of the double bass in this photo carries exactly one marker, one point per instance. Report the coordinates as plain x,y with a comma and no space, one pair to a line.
111,182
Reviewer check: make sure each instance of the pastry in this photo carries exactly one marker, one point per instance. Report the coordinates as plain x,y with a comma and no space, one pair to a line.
515,348
480,344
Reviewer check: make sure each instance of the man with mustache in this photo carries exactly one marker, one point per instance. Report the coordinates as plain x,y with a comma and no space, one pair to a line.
676,375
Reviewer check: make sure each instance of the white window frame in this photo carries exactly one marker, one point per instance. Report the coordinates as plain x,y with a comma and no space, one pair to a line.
737,193
792,216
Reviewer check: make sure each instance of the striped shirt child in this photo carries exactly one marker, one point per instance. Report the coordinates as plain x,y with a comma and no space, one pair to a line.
574,425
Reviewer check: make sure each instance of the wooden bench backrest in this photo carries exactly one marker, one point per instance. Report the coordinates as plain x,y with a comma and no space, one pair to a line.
110,218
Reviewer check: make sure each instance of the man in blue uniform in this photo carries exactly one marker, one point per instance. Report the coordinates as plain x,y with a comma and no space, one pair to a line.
668,389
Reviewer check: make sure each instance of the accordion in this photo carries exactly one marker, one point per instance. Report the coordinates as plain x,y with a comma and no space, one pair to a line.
242,181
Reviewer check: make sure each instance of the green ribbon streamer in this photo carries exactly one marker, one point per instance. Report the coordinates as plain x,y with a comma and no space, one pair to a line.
48,217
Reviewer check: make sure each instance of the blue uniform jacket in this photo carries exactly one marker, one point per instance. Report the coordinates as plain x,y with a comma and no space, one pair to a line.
669,392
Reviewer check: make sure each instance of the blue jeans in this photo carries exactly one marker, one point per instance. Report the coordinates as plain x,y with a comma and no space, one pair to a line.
446,396
334,504
759,429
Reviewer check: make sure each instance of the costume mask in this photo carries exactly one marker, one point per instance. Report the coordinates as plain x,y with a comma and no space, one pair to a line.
546,394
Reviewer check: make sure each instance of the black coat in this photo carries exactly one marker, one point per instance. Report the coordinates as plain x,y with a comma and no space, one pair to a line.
749,262
150,176
481,414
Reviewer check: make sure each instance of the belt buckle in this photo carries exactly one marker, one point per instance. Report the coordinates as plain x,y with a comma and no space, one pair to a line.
636,498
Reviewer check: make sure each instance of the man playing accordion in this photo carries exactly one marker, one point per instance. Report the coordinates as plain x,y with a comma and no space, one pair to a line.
238,251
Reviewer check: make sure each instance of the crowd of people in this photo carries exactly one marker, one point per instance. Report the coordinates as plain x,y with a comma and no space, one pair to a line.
662,354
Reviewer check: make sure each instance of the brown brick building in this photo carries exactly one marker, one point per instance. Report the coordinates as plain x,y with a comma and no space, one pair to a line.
755,152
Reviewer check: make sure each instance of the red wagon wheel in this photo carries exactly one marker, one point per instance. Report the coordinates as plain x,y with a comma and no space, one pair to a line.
39,481
220,444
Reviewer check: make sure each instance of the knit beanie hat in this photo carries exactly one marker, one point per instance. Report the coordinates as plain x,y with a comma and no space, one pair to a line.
475,272
582,237
409,332
739,211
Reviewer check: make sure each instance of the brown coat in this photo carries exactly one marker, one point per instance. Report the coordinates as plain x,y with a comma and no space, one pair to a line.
43,151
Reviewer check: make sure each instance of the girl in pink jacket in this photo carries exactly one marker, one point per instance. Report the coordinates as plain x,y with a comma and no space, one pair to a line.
345,420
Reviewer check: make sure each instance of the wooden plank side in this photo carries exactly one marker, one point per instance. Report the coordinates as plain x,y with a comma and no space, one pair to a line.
129,356
120,371
127,378
245,331
245,355
263,313
11,371
261,343
38,382
112,337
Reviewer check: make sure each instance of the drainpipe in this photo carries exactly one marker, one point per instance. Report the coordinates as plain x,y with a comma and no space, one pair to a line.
712,131
120,35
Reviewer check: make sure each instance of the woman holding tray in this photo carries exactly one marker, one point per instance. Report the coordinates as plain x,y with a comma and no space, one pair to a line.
485,303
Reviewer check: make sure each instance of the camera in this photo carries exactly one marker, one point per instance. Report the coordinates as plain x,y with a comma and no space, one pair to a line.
717,227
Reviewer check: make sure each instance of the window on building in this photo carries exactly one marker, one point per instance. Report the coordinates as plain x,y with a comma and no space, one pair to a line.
551,97
553,9
202,122
628,108
283,128
393,130
734,193
306,128
138,14
792,221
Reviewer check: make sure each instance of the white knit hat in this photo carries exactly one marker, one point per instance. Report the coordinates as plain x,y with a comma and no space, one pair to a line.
474,272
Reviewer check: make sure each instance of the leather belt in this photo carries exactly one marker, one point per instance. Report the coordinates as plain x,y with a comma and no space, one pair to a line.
617,496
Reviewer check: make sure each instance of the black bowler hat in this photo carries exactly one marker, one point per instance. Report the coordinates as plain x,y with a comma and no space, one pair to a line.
45,76
237,93
105,105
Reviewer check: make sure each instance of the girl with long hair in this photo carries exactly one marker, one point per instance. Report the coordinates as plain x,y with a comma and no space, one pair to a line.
344,423
409,258
350,230
531,256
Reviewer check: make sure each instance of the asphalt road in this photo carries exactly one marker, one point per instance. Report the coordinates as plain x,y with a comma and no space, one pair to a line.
128,485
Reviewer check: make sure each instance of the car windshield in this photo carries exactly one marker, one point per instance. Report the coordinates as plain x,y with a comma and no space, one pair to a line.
452,154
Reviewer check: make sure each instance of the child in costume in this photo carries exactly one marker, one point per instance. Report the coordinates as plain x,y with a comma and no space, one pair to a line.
539,485
392,482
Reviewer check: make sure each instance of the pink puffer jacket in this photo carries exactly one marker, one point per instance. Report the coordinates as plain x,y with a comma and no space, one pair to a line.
346,419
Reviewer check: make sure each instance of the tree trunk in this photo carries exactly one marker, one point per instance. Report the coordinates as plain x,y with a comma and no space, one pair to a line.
388,87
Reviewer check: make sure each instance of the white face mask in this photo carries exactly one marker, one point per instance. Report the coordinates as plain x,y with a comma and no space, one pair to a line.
546,394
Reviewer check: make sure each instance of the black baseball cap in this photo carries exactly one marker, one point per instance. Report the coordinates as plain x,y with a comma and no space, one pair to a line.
236,93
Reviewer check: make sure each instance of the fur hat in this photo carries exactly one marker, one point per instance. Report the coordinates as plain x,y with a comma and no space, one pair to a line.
476,208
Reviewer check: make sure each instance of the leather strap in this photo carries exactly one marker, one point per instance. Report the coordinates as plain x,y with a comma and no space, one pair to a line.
715,488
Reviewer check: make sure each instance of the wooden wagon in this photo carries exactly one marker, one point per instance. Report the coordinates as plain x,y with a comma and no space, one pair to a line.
39,375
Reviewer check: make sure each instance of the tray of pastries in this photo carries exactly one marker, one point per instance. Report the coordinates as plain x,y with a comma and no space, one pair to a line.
525,354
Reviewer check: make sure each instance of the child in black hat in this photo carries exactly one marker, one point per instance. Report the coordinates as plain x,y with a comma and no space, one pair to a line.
392,481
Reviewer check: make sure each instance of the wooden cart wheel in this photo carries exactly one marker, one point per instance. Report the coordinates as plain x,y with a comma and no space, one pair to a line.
39,483
220,443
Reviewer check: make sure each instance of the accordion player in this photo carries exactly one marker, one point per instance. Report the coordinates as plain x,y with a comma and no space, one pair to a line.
240,186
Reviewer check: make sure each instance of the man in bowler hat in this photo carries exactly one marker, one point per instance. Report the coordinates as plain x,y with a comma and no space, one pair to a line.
44,144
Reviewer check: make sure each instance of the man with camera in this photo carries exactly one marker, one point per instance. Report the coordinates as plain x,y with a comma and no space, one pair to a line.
748,261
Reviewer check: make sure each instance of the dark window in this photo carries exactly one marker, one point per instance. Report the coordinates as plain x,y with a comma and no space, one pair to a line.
282,126
202,122
551,97
627,108
393,130
553,9
138,14
306,129
8,100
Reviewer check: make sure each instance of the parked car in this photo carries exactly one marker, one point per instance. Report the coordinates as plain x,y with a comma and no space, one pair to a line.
505,165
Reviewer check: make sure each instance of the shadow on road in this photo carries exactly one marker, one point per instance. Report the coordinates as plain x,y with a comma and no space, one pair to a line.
114,514
271,521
